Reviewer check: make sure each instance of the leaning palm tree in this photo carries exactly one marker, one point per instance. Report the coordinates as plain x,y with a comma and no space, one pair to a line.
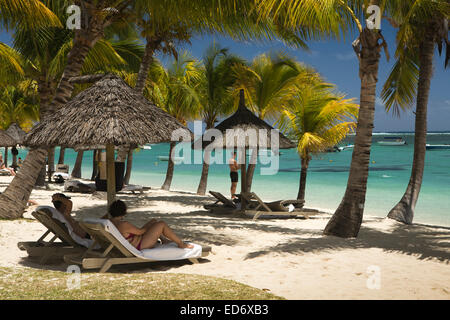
14,199
318,119
421,26
334,18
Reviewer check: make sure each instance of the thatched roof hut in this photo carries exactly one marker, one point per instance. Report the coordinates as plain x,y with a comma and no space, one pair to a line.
243,123
6,140
243,130
15,132
109,112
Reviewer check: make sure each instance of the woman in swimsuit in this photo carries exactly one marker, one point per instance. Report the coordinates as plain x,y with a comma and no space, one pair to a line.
145,237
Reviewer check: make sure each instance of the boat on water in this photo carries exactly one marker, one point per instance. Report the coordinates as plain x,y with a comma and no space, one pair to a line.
438,146
392,141
145,147
175,159
350,146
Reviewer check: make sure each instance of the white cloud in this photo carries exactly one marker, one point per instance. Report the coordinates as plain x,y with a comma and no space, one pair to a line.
345,56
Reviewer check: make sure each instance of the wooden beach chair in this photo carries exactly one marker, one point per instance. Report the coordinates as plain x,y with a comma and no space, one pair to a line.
115,250
4,172
42,250
134,188
222,203
276,209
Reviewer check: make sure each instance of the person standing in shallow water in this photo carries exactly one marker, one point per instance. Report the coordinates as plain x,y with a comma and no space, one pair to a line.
234,167
145,237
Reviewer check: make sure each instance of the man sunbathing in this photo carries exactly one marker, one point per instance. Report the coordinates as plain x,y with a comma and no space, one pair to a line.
145,237
63,204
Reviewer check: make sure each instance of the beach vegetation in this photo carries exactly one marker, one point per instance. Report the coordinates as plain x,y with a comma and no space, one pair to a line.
33,284
318,118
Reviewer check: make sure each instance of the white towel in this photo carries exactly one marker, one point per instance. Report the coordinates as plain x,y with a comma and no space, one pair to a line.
60,217
161,252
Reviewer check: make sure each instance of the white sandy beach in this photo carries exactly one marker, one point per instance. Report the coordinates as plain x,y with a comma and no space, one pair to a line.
288,257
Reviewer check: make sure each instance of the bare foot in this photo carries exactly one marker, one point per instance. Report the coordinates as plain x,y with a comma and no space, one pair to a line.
183,245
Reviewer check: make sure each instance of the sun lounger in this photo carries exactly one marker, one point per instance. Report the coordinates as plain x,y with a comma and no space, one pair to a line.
81,187
78,186
5,172
57,225
134,188
222,202
277,209
117,250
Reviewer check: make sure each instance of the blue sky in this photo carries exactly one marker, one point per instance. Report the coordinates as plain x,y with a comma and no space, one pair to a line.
338,64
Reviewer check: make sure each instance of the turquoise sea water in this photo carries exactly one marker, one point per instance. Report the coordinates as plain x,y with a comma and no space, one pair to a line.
327,176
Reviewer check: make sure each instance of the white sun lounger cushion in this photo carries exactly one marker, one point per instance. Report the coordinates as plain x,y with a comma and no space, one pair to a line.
63,175
60,217
161,252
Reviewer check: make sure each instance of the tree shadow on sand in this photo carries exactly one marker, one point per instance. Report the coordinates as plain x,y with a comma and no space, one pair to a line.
420,241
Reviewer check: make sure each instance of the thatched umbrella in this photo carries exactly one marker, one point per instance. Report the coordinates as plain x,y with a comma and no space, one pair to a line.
109,113
16,133
6,140
241,125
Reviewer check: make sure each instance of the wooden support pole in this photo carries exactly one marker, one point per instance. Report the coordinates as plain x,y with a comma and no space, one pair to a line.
244,179
111,174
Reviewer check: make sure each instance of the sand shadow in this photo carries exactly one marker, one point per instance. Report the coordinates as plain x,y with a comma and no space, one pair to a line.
421,241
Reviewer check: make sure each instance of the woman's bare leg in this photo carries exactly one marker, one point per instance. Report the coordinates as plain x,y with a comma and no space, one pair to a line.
161,237
157,229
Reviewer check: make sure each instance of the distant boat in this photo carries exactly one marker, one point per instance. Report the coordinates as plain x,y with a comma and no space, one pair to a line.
145,147
392,141
438,146
175,159
350,146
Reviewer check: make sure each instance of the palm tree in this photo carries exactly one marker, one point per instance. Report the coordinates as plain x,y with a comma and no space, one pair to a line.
269,87
179,97
215,92
422,25
334,18
18,105
317,119
14,199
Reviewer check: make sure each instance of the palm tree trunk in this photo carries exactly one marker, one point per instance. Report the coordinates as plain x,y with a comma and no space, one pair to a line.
201,189
404,210
152,44
22,184
303,175
51,163
76,172
170,168
62,153
94,165
5,158
129,166
347,219
251,169
12,201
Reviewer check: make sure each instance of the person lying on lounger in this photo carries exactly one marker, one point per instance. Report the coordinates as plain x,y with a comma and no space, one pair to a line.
4,167
145,237
62,203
